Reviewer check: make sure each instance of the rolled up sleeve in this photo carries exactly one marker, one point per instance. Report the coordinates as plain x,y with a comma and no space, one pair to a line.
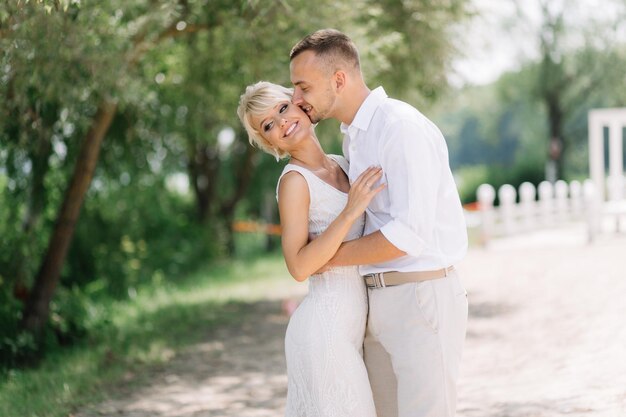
412,163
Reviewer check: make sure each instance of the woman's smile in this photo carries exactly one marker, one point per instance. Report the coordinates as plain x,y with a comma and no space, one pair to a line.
291,128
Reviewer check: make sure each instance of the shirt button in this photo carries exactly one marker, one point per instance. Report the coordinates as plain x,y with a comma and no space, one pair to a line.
352,148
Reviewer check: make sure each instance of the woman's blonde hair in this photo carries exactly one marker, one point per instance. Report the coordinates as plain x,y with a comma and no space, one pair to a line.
256,101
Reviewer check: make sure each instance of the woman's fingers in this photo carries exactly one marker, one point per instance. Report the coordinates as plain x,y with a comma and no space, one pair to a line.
367,180
361,191
369,177
378,189
367,173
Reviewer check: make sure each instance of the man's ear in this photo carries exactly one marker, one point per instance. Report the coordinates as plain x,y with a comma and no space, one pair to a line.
339,81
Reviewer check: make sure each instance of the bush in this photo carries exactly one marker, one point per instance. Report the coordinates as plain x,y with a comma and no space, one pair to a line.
127,236
471,177
16,346
72,315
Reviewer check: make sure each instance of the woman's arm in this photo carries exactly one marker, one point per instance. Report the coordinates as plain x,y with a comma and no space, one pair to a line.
304,258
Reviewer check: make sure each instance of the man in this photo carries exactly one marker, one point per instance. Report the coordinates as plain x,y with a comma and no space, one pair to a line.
415,230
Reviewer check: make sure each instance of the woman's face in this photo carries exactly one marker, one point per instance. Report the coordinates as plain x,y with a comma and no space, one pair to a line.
284,126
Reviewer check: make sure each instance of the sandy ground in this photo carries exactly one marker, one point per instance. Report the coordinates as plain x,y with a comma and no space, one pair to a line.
546,337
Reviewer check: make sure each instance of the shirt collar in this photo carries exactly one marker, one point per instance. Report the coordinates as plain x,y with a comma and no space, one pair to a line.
365,113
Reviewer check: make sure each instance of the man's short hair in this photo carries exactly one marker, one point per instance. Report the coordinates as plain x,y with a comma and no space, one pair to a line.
334,47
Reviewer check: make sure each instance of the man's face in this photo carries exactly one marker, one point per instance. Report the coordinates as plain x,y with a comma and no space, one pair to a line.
313,90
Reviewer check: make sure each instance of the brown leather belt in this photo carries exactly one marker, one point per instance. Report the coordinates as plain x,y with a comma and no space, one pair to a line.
389,279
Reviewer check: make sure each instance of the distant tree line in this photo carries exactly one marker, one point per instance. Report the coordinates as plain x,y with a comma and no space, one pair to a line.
531,124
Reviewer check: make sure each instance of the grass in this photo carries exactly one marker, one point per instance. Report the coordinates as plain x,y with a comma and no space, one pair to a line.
143,333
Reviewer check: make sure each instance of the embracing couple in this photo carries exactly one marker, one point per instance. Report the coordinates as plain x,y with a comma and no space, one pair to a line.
375,232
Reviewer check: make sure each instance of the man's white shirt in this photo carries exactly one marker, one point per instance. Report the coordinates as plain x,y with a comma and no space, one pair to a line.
419,210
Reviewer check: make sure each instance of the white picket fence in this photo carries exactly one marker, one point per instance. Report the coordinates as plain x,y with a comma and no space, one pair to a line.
548,205
600,201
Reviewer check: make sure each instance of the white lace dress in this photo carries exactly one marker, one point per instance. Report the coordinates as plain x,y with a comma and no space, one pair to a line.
323,344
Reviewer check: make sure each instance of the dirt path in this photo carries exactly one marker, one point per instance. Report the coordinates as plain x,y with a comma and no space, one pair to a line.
546,338
547,335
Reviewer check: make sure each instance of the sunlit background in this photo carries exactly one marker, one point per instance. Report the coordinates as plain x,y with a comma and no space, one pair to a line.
127,183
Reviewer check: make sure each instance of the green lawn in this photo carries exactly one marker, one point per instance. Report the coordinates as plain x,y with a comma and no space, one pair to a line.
142,333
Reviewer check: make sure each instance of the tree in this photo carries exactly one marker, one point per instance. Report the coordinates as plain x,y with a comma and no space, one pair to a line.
82,79
36,309
407,46
563,79
133,32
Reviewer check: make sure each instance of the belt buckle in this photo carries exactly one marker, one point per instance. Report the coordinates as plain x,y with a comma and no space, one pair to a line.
379,280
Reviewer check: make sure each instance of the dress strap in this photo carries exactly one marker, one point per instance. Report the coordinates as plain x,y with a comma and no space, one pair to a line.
343,163
302,171
311,179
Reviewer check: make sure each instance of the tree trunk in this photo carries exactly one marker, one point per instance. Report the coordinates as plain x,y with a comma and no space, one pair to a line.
37,307
36,204
268,213
203,168
557,141
243,176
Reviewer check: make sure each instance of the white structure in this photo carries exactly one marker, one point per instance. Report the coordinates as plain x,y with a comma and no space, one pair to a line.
598,199
558,204
615,120
609,190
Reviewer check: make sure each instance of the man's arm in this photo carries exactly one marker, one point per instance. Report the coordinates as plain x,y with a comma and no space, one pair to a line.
410,159
371,249
304,257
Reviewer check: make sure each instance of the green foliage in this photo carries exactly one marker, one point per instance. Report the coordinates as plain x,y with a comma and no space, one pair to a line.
469,178
128,337
73,313
493,128
411,49
175,71
498,133
577,66
16,346
132,233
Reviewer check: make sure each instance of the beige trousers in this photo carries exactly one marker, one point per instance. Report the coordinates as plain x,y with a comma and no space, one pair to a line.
412,348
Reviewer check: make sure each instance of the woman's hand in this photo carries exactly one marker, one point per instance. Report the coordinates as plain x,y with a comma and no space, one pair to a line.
362,191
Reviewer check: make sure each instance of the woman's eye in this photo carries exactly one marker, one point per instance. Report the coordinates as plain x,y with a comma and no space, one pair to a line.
267,127
283,108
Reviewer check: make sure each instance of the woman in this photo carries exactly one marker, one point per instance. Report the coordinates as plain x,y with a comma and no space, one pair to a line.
323,344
